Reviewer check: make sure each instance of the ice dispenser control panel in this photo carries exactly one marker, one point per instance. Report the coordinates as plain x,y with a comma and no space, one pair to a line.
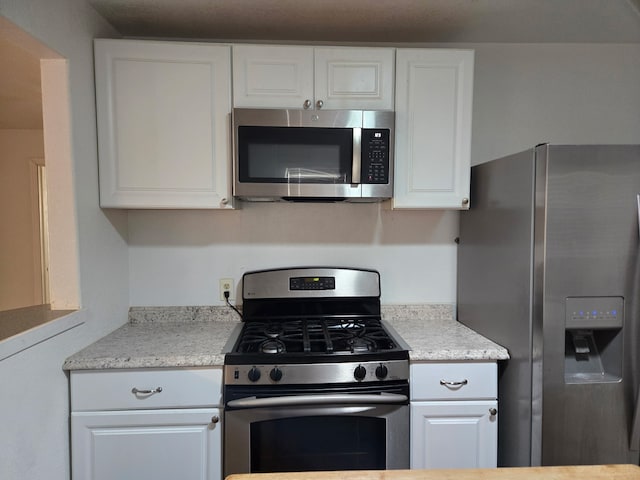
593,340
594,312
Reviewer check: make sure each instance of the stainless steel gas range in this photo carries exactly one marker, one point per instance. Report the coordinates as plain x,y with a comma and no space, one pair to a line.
315,379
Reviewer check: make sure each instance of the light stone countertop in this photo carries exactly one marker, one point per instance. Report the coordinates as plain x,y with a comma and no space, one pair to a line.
166,337
445,340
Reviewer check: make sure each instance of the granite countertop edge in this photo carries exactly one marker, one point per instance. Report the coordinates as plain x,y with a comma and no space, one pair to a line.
183,337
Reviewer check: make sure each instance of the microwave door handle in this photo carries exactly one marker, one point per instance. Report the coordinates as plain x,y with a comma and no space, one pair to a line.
331,399
356,164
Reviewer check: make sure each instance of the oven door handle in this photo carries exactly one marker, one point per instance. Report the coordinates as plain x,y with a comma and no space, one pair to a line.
296,400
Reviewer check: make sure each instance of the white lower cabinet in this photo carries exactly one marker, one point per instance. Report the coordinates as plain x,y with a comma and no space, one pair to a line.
453,435
147,444
454,415
146,424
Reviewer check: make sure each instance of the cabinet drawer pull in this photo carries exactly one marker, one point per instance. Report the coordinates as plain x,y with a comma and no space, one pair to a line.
137,391
454,384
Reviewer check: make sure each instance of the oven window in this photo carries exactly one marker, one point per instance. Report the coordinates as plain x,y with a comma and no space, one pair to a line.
318,443
295,154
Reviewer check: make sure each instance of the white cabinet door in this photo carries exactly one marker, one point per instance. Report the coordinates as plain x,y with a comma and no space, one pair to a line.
434,96
163,124
272,76
295,77
454,434
354,78
147,445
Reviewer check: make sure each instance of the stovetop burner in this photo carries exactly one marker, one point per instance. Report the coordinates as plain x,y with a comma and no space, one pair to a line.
313,326
314,336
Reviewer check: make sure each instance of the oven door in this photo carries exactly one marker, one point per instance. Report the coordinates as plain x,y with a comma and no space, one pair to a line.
317,432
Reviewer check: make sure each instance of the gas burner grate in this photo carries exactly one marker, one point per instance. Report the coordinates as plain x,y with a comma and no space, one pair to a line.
309,336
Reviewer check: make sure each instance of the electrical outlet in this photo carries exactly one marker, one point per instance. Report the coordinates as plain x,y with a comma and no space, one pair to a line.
226,285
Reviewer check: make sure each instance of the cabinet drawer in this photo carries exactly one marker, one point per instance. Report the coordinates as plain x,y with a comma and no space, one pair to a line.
170,388
454,381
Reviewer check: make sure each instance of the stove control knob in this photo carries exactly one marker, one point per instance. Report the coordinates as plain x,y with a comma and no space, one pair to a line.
360,372
254,374
275,374
381,371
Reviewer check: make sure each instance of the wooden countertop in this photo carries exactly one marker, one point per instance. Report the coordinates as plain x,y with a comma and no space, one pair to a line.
583,472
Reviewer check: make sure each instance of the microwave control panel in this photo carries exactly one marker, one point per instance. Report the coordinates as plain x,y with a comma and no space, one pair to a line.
375,155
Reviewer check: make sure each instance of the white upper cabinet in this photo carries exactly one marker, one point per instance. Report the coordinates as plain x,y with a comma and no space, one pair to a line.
354,78
272,76
163,124
163,114
296,77
434,96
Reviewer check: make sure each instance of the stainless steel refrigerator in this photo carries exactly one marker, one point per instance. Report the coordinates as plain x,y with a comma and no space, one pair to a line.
548,267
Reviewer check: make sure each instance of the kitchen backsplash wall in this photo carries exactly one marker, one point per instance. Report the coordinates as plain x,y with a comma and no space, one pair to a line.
523,95
177,258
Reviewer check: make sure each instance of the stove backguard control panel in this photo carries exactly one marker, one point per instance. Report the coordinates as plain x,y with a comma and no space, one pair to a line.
312,283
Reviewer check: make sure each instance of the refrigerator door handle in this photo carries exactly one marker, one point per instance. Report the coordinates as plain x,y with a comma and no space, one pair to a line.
638,198
634,441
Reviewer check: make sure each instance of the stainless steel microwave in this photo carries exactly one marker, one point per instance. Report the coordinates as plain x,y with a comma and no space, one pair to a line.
322,155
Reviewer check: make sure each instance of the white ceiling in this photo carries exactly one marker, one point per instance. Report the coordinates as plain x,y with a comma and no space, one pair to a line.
332,21
510,21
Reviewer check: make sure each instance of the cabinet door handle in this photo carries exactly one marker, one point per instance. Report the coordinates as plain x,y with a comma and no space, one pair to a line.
306,104
215,419
319,104
137,391
447,383
493,412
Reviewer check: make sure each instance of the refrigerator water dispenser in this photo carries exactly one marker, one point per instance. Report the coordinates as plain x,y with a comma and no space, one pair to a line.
593,339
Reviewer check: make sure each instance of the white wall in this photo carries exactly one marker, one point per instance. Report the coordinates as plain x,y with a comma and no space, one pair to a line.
571,94
20,284
177,258
523,95
34,403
